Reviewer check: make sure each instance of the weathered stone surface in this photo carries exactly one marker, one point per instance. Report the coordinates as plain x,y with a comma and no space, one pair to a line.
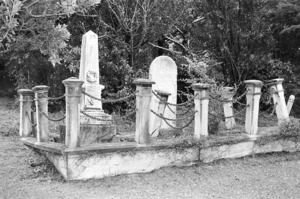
211,154
163,71
95,117
60,163
110,159
89,102
89,73
89,61
103,165
91,134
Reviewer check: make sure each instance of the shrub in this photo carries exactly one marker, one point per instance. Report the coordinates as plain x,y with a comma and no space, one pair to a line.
289,127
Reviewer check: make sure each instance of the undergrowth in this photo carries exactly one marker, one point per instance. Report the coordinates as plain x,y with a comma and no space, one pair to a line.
290,127
42,168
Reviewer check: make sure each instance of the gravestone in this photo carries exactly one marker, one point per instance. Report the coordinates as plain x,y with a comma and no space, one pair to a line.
163,71
89,73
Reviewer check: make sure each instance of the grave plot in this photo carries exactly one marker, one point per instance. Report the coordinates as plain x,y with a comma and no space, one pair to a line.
90,146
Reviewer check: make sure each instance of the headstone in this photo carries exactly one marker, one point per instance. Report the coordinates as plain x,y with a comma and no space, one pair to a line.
163,71
89,73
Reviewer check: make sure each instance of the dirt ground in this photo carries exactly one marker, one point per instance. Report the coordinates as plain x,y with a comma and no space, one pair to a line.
26,175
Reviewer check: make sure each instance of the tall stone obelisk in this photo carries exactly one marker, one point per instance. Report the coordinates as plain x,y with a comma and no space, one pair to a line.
89,73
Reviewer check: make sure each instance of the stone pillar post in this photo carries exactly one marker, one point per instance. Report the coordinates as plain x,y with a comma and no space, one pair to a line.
143,98
278,98
41,104
154,130
227,96
73,97
201,109
290,103
252,109
26,99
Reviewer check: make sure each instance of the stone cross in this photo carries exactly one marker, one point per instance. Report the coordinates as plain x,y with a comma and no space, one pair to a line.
163,71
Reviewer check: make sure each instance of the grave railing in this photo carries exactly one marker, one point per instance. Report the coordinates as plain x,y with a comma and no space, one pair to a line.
251,108
143,94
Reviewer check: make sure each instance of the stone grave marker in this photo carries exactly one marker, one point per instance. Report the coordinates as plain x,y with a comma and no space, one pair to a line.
89,73
163,71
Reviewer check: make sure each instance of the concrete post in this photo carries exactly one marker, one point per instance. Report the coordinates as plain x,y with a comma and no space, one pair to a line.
41,104
227,96
290,103
154,130
143,98
201,109
278,98
252,109
73,98
26,99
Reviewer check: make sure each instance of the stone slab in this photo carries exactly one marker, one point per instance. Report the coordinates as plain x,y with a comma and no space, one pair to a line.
82,167
238,150
92,134
110,159
163,71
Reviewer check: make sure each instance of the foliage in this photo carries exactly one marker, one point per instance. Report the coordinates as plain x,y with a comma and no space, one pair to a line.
212,41
289,127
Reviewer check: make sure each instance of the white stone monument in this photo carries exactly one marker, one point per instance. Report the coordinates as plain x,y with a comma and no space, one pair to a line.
89,73
163,71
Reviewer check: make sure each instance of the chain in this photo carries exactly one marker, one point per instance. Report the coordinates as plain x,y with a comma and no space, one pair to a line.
184,113
240,103
162,117
95,118
109,100
56,98
219,99
242,95
182,104
124,116
179,128
271,114
240,111
54,120
215,115
109,120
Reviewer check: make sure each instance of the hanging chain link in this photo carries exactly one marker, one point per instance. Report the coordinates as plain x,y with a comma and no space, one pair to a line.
166,120
56,98
109,120
94,117
125,116
53,120
177,119
171,104
110,100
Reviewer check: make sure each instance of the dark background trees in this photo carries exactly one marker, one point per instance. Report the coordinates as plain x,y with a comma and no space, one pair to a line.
218,41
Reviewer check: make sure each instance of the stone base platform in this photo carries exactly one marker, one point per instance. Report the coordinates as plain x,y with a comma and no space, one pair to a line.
92,133
110,159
